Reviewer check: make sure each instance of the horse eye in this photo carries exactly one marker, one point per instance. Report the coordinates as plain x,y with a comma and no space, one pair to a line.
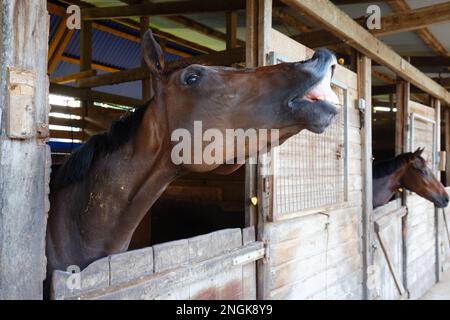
191,79
424,173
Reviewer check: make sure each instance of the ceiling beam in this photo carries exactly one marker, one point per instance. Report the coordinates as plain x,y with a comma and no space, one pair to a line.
61,11
340,24
138,9
97,66
424,34
227,57
398,22
414,19
161,9
191,24
201,28
285,17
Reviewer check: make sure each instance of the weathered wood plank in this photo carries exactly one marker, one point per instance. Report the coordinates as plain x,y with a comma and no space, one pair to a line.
161,285
170,255
94,276
130,265
23,193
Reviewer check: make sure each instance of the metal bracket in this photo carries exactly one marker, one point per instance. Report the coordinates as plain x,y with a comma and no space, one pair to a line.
43,133
362,105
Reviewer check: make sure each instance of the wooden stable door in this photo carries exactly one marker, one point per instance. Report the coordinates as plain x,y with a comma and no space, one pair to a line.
219,265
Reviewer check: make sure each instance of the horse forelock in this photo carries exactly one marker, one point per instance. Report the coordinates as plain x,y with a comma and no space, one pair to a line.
77,165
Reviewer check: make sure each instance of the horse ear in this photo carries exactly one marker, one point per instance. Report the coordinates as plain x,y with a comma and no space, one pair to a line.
419,151
153,54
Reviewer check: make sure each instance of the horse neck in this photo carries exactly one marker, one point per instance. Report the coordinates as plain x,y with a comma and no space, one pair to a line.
131,180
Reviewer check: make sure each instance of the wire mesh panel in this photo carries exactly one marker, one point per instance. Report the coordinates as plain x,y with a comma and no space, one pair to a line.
309,170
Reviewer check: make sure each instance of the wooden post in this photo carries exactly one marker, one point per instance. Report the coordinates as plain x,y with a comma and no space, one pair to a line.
365,96
402,145
251,43
25,162
147,82
401,120
447,146
251,60
231,30
85,63
259,25
437,107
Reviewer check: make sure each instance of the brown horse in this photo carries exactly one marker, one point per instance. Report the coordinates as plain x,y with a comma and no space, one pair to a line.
102,191
409,171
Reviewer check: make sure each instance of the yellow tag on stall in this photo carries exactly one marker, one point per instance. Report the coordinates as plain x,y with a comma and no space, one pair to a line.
254,200
400,189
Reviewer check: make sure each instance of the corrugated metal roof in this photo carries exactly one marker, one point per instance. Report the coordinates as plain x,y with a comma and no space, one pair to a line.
112,51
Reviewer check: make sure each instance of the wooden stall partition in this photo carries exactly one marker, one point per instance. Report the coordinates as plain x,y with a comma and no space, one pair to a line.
314,248
218,265
420,227
387,268
24,156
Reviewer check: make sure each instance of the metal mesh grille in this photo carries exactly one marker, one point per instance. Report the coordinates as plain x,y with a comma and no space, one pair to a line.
309,169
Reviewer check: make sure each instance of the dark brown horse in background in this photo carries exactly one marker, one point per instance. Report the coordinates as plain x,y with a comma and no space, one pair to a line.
101,193
409,171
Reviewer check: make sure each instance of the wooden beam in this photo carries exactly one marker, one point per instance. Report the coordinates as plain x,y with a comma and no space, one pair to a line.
93,96
160,9
200,28
414,19
76,123
97,66
431,61
94,110
399,22
60,11
59,51
287,18
59,134
424,34
365,95
66,110
334,20
74,76
231,27
226,57
56,39
383,77
251,52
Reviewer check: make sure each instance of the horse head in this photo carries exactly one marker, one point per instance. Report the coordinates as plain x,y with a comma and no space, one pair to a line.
288,97
421,180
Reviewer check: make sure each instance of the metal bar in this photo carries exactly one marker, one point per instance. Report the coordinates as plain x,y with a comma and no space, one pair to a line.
398,283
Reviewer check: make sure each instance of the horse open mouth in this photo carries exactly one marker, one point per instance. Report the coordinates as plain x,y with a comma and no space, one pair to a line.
321,91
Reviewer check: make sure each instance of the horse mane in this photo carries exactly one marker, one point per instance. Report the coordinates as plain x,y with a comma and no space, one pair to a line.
77,165
383,168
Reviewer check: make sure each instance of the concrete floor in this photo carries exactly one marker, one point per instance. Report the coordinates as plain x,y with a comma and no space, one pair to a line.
441,290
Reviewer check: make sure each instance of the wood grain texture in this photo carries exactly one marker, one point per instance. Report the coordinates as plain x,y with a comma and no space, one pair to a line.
202,267
23,192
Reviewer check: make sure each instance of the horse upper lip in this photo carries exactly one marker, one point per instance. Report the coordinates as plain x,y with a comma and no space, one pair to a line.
323,90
